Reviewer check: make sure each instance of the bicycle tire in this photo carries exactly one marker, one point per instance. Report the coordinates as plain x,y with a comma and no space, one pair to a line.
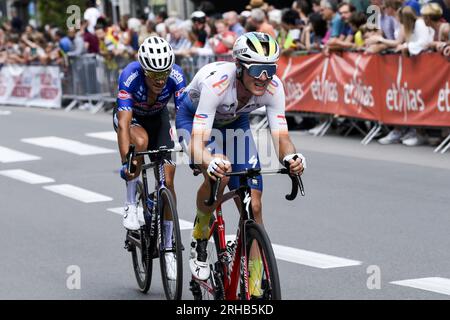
141,257
270,281
172,288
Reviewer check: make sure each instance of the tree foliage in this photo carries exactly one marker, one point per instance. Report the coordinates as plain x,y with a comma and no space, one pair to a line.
54,12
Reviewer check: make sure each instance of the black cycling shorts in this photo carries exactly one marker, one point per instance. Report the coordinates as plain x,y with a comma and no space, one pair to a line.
157,126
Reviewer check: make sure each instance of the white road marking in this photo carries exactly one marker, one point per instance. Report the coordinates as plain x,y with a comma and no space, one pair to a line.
5,113
77,193
26,176
184,225
105,135
9,155
310,258
298,256
68,145
434,284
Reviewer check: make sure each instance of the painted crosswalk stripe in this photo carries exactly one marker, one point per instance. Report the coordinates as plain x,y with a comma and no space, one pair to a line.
105,135
26,176
77,193
9,155
434,284
68,145
184,225
310,258
298,256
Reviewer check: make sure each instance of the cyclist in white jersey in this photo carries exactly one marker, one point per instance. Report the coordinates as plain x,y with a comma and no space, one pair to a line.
216,103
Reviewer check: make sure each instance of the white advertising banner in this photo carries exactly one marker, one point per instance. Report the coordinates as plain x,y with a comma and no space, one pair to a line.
37,86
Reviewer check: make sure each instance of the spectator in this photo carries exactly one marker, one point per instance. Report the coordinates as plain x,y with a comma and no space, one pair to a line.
417,35
257,4
78,47
178,41
274,17
147,30
199,28
385,23
328,10
90,39
304,10
231,18
292,40
357,21
91,15
345,39
64,41
314,32
445,5
16,22
223,41
258,18
432,14
315,6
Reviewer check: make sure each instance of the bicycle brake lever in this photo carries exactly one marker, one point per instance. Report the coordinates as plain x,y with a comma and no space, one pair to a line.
294,190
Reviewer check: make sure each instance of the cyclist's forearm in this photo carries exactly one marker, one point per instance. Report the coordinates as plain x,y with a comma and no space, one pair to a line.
199,153
123,137
285,147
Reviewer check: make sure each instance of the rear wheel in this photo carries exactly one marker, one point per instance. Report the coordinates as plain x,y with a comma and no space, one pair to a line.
170,253
262,272
139,245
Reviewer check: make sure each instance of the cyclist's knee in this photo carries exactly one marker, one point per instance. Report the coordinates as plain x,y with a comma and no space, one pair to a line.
257,207
141,143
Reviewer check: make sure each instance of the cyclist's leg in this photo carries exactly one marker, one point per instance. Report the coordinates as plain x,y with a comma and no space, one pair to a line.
198,254
138,137
164,138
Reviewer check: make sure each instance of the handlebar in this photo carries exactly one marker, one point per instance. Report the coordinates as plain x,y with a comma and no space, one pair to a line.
131,154
296,181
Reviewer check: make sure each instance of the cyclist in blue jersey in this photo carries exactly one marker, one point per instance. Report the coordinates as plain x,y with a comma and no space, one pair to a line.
141,116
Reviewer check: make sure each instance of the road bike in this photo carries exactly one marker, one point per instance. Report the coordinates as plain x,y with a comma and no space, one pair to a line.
159,235
229,260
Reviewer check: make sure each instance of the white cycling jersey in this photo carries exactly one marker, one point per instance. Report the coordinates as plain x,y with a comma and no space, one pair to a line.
214,95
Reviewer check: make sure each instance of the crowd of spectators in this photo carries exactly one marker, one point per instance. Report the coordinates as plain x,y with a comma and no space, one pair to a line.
408,26
372,26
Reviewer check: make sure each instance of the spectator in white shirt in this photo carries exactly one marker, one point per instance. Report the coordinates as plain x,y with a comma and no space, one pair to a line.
417,35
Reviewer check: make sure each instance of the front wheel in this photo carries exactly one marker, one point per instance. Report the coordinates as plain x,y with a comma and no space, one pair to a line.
139,245
262,272
170,253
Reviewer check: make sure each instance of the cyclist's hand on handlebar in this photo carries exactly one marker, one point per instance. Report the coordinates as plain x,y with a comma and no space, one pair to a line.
125,175
297,163
218,167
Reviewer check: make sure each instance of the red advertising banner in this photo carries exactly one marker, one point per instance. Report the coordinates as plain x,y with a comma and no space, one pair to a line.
392,89
415,90
310,83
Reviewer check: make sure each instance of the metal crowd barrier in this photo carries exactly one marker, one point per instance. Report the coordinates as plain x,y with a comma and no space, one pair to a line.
91,80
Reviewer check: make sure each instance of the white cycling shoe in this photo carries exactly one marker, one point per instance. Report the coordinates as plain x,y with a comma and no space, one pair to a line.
198,260
130,217
171,266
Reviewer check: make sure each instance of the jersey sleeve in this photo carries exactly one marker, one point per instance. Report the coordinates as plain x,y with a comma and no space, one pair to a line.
180,85
124,96
275,107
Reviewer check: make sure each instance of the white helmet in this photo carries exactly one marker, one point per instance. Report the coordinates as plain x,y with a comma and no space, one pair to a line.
155,54
256,47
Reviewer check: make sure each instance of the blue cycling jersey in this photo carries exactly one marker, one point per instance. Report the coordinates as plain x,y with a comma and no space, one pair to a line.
132,95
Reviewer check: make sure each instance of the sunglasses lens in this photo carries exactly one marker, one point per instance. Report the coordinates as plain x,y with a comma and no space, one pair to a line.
256,70
158,75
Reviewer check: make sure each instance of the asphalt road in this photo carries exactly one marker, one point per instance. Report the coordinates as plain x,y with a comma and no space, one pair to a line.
372,216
